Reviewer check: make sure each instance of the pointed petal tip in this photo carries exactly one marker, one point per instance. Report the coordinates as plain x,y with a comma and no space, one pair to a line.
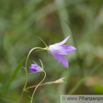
74,48
68,36
64,41
67,66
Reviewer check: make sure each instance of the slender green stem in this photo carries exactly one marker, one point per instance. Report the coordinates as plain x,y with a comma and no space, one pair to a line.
24,88
42,84
58,81
80,62
38,86
26,64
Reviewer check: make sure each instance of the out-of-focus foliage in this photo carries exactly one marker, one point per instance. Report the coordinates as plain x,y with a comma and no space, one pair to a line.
21,21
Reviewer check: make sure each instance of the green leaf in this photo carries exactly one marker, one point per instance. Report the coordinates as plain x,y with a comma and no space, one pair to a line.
42,41
12,77
1,42
82,80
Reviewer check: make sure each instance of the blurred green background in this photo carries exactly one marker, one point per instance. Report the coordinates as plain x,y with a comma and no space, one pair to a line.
21,21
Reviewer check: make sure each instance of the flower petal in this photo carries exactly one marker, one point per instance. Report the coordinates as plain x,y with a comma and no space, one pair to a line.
34,68
64,41
61,59
66,49
33,65
62,49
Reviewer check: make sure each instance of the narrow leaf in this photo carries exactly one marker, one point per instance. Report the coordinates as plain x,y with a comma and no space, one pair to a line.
12,77
42,41
82,80
1,42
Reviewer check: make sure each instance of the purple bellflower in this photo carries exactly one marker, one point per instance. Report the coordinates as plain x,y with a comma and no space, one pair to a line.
59,49
35,68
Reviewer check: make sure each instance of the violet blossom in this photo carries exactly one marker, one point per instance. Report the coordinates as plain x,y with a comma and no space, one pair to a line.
35,68
59,49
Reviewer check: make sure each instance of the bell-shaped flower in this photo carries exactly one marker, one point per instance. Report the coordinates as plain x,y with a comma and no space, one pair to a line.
35,68
59,49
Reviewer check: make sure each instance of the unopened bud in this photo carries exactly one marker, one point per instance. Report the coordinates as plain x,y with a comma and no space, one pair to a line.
61,80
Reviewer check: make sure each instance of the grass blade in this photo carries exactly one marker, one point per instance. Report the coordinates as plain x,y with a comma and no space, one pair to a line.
1,42
12,77
82,80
